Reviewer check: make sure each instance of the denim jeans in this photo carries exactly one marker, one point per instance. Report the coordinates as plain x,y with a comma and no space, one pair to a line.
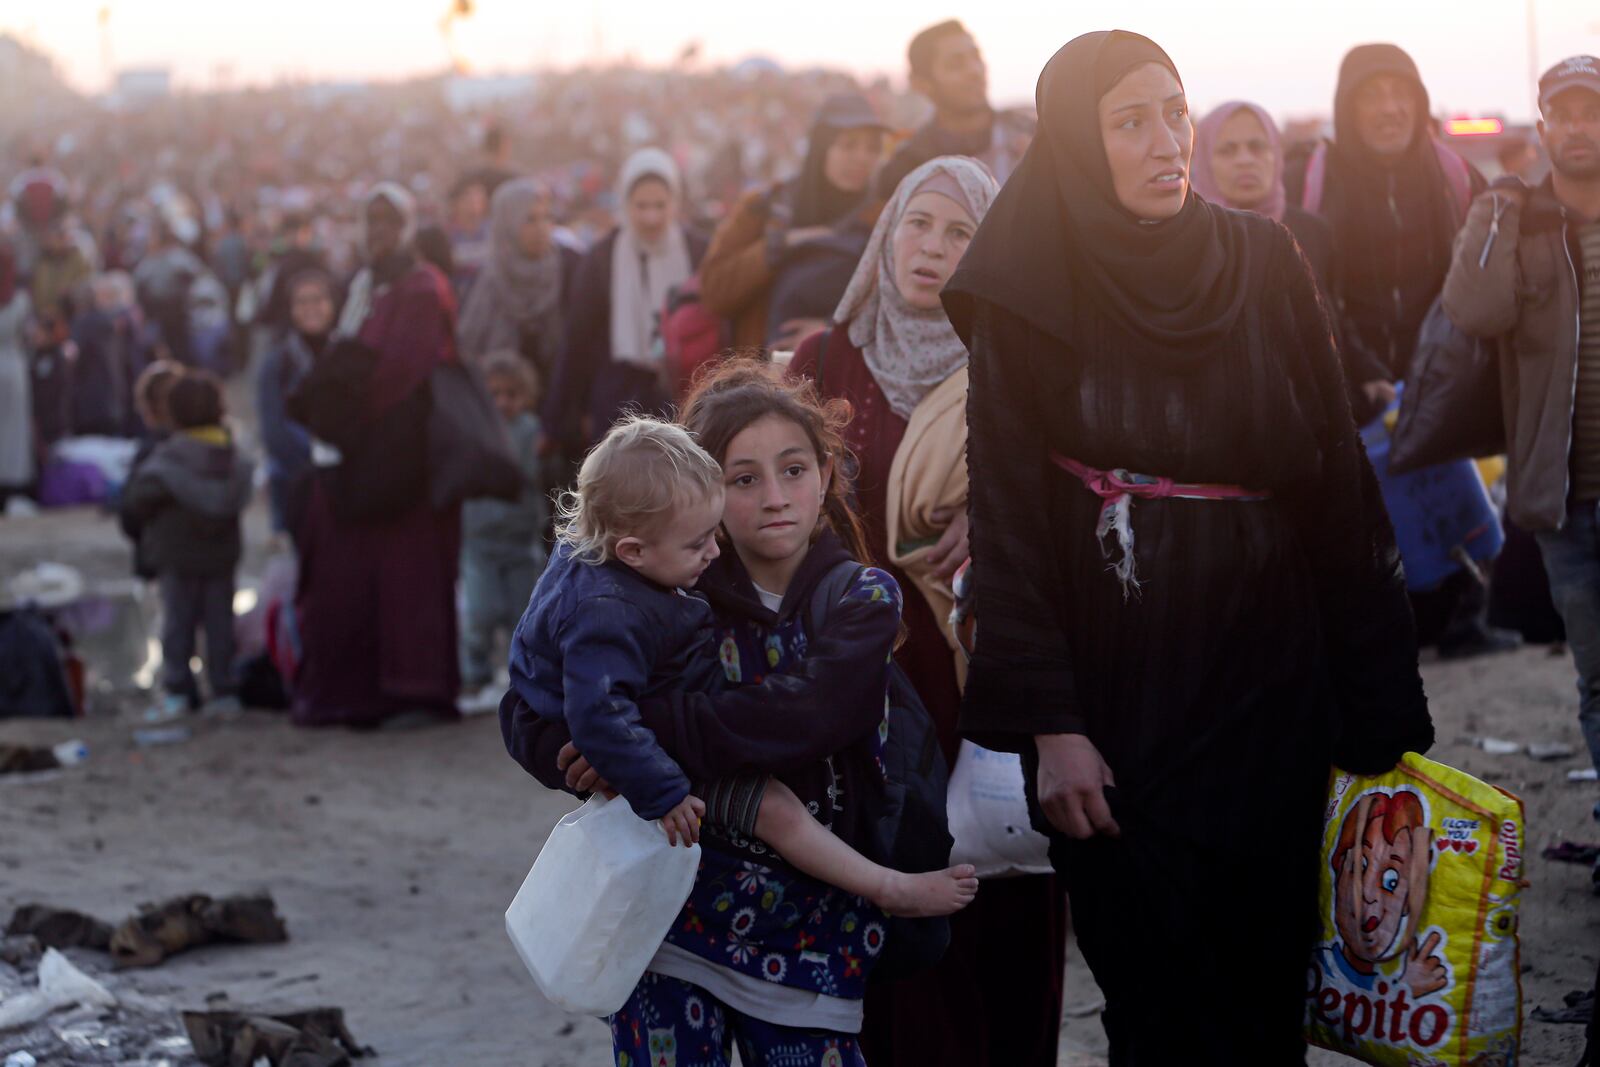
1572,558
188,605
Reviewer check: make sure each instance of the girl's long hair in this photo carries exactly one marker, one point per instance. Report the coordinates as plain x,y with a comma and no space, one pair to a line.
730,395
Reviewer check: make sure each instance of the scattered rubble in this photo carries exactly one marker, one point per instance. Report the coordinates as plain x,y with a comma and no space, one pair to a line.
157,931
316,1037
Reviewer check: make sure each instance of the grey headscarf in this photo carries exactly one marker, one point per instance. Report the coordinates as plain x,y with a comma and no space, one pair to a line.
517,294
910,350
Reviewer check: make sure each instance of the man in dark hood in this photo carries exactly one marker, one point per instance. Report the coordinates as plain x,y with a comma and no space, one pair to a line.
1394,199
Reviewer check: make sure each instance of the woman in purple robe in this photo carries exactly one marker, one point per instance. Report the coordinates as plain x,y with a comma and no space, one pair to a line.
376,600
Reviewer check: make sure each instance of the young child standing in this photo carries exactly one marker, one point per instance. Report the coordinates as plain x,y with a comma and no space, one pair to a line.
182,504
611,623
502,541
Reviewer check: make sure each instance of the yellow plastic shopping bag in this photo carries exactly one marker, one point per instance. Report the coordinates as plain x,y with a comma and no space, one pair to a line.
1417,961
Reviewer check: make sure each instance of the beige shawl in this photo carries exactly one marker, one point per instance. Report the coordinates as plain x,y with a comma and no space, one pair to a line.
930,472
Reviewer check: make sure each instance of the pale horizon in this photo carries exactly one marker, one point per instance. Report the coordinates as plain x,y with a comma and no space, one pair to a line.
1473,54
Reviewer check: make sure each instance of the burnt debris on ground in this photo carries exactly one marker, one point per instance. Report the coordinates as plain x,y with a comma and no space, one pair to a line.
157,931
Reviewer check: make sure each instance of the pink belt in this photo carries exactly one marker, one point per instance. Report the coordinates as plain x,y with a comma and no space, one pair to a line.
1119,488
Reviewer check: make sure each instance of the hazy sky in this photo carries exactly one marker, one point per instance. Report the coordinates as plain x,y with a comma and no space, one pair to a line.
1473,53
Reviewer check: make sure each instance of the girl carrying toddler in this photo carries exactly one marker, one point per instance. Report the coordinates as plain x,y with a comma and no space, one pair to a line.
785,919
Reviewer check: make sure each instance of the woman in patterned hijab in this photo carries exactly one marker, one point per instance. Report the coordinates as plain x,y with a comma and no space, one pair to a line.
891,307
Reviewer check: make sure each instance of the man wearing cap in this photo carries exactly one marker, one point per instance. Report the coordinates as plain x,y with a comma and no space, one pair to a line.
948,69
1527,273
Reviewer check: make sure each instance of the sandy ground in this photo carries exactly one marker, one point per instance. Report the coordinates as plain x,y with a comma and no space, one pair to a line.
392,855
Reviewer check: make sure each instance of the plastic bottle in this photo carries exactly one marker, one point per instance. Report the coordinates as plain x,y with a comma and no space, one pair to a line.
71,753
597,904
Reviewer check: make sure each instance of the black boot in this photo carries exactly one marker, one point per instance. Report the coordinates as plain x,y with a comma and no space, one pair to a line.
1468,632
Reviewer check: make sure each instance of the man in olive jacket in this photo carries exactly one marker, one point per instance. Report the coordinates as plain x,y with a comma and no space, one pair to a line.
1527,273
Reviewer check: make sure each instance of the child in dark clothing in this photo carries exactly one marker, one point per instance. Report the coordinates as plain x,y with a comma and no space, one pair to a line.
502,541
182,504
610,625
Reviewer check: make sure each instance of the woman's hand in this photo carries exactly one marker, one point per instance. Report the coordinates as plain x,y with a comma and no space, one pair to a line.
1072,781
582,778
953,547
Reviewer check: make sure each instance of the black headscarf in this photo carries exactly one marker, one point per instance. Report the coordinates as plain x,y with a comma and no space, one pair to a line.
811,199
1381,249
1059,250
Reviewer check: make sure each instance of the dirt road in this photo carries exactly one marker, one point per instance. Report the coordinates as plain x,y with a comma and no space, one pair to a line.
392,856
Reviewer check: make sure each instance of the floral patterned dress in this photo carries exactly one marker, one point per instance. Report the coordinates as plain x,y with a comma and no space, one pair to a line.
751,912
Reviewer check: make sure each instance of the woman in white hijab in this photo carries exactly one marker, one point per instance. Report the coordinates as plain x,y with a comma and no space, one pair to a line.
611,357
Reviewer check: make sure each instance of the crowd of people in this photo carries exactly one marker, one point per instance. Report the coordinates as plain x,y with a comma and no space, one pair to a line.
1150,338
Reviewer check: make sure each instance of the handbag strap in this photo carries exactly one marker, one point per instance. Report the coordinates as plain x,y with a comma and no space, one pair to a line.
822,358
829,592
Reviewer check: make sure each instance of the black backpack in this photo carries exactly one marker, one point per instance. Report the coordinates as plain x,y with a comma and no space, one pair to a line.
1451,407
906,825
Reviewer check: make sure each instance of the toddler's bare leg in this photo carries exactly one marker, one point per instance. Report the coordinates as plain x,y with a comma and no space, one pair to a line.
784,823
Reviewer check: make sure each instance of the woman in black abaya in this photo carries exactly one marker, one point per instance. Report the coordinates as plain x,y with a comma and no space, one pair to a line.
1189,596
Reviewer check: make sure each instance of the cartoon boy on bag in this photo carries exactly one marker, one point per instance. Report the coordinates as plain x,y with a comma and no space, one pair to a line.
1381,866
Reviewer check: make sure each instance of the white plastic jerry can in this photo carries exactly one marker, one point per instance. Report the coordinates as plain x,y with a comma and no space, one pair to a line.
597,904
